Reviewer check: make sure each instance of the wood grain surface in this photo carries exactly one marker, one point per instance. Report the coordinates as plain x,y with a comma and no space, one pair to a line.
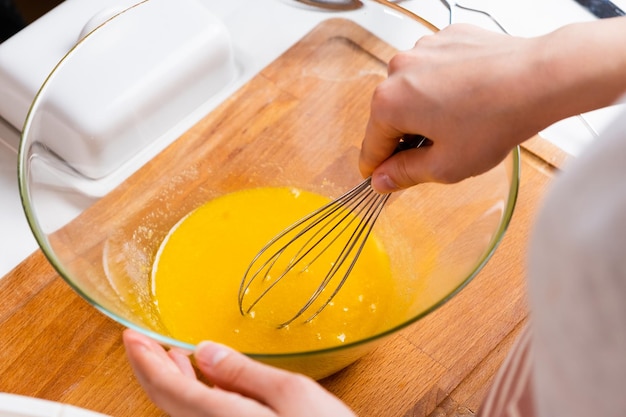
55,346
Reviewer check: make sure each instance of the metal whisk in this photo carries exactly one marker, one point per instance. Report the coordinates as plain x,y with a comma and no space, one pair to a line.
345,222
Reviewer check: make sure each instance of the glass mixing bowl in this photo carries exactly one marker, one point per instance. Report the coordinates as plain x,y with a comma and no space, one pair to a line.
144,121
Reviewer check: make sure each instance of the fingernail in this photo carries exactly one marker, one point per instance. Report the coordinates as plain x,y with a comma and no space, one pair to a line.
177,355
383,184
135,340
211,353
180,351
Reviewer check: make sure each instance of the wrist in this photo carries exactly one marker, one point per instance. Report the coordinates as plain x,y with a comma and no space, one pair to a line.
580,67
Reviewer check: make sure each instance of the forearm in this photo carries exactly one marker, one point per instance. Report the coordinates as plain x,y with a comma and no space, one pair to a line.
476,94
580,67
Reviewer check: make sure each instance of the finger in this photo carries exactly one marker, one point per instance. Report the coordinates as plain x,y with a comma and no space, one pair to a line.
378,144
137,344
160,377
285,392
386,125
177,393
181,359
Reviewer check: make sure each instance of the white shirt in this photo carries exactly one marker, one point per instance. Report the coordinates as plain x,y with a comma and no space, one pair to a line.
571,361
577,285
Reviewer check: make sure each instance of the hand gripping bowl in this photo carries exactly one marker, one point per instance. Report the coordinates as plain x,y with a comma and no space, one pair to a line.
112,156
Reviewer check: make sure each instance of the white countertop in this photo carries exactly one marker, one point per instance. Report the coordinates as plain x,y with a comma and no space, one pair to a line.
519,17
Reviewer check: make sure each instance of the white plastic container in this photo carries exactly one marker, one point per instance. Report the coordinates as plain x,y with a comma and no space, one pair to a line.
186,57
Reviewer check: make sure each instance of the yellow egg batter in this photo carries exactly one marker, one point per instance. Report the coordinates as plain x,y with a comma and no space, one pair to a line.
199,267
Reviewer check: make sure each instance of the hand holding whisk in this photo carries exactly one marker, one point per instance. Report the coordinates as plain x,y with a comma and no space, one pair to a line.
344,223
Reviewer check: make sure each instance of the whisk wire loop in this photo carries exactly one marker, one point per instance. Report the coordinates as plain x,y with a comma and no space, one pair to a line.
344,223
309,223
354,246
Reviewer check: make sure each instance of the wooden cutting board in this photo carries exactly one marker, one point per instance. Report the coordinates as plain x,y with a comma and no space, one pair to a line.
56,346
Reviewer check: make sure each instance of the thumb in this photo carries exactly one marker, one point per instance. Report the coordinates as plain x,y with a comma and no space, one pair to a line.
284,392
235,372
402,170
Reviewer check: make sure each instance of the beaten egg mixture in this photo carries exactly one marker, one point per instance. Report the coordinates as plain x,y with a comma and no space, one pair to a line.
199,267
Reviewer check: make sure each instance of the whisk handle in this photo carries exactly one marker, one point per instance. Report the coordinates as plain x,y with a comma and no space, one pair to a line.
412,141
